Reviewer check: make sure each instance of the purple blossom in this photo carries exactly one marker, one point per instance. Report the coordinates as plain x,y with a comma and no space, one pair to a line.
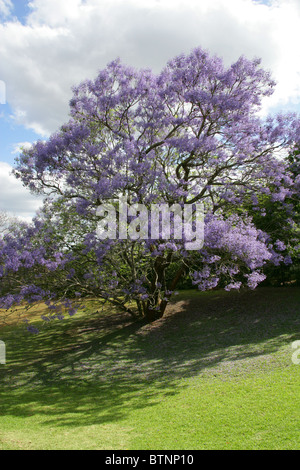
254,278
191,133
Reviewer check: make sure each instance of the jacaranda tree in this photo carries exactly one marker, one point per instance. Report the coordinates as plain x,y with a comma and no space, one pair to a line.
189,135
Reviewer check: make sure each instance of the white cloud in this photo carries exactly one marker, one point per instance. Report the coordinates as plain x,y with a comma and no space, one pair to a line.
14,198
19,146
66,42
5,7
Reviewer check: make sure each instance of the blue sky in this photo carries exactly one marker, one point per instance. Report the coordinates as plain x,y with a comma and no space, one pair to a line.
53,44
20,9
12,134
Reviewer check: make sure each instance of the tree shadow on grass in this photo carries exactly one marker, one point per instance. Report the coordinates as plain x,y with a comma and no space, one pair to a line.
82,374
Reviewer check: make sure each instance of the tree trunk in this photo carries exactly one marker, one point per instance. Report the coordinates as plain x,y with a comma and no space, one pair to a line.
152,314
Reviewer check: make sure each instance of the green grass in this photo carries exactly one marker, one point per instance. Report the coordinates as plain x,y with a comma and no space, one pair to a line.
214,373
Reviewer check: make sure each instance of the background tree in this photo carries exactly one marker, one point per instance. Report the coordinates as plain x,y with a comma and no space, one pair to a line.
4,220
7,222
281,220
190,134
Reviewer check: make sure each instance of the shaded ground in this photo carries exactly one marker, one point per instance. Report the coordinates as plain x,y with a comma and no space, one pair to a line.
92,370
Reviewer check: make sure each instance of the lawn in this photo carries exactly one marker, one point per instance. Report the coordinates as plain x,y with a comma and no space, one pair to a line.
215,373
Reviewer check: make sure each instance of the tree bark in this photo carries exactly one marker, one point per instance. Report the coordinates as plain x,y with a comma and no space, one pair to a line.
152,314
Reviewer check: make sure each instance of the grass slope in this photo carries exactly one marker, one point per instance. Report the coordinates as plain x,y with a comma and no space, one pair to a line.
214,373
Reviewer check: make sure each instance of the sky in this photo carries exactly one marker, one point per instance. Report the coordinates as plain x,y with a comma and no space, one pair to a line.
47,46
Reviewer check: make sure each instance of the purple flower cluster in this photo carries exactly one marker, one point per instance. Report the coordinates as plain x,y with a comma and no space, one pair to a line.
189,134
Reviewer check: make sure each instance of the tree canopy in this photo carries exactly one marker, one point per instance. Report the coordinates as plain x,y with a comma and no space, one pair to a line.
191,134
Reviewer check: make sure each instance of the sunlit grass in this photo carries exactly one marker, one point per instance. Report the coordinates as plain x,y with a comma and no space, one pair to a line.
215,373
